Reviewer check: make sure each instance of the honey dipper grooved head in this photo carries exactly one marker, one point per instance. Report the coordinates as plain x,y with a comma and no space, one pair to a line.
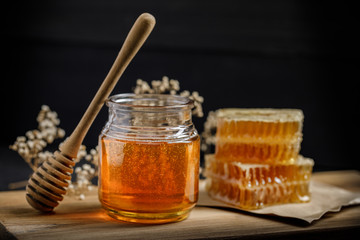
47,185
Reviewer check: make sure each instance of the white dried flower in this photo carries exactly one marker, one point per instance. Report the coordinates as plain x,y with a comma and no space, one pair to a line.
21,139
208,135
38,134
21,151
82,196
61,133
185,93
142,87
45,108
37,147
170,86
30,144
174,85
42,156
93,152
42,143
86,167
30,135
13,147
79,183
49,139
46,123
197,97
22,145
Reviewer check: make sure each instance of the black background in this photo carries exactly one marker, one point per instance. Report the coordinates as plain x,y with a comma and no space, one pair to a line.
246,54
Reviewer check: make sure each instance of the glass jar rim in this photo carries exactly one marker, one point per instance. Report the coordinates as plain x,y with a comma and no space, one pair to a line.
128,101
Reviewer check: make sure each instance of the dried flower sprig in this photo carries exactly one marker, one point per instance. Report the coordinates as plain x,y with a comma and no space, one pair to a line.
85,173
198,100
166,85
30,147
208,135
170,86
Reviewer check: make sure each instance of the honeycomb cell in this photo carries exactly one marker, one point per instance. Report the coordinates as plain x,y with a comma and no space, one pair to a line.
258,135
253,186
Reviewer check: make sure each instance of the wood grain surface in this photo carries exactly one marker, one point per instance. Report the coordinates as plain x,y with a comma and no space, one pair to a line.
84,219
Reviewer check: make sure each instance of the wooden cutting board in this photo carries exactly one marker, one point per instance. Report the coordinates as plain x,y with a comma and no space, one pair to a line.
84,219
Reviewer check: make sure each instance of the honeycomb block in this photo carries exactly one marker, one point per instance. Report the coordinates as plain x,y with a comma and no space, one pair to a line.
253,186
266,136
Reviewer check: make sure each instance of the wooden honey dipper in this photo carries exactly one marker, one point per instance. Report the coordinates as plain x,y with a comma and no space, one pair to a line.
48,184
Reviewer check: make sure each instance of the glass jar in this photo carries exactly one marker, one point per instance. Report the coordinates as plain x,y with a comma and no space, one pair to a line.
149,158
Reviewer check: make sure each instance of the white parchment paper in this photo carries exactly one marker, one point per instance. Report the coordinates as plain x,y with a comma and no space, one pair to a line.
324,198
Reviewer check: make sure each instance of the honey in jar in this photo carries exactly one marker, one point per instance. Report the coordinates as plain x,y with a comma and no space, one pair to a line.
149,164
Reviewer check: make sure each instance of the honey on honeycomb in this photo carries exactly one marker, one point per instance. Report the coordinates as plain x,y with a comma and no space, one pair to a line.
258,135
253,186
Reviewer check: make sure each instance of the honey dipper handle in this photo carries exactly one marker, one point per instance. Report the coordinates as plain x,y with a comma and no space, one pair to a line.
135,39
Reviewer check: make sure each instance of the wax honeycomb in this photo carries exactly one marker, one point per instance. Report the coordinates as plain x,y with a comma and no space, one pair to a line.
258,135
253,186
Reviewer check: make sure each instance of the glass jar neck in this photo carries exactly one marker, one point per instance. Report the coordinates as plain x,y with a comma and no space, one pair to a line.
149,117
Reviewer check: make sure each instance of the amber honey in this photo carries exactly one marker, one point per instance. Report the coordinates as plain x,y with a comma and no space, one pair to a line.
149,178
258,135
253,186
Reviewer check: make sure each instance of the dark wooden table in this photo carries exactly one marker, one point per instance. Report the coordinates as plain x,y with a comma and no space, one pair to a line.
75,219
